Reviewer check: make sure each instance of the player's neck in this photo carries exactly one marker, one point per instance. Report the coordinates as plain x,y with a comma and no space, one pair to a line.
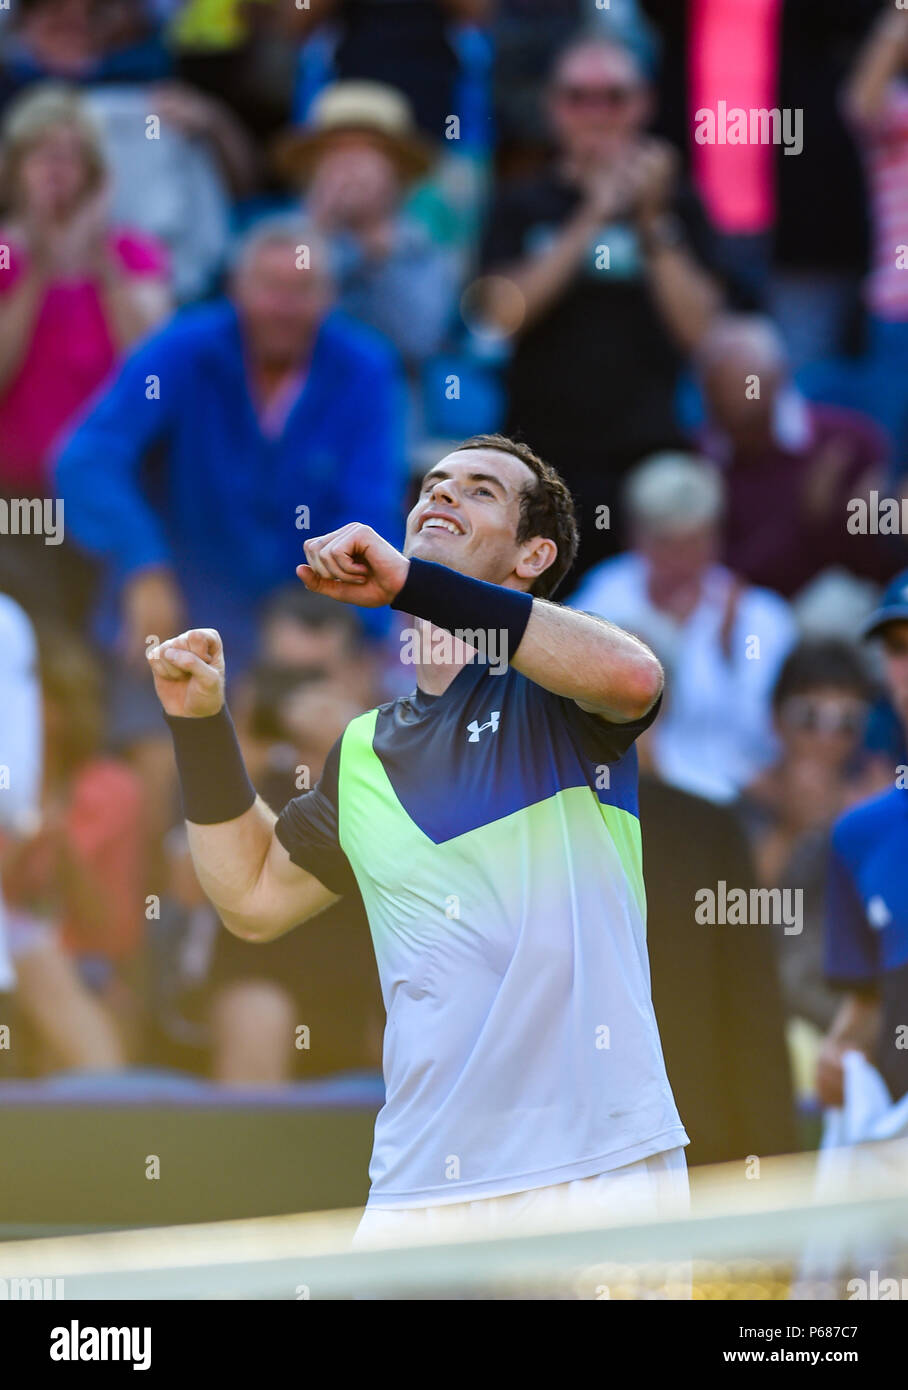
442,656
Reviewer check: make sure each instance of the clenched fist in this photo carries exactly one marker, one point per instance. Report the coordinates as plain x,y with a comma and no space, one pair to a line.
354,564
189,673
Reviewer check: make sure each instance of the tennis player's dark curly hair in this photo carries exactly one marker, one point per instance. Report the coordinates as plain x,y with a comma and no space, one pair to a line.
546,507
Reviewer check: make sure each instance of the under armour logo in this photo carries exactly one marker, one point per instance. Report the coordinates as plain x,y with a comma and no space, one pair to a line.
476,728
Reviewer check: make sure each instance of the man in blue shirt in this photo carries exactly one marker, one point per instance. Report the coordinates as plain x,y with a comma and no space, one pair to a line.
274,418
867,909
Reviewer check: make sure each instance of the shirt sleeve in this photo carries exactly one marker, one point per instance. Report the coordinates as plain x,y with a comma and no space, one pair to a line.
601,740
308,829
851,947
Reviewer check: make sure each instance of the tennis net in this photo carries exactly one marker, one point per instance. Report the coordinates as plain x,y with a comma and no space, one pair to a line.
785,1229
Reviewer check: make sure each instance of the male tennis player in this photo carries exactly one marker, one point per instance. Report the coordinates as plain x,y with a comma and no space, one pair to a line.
490,821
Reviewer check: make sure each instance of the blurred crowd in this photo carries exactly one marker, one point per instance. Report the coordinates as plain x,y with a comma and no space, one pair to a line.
261,264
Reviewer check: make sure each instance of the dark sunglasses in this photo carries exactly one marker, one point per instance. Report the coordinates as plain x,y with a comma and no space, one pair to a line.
819,717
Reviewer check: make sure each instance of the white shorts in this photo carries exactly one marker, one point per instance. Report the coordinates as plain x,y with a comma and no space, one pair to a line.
654,1188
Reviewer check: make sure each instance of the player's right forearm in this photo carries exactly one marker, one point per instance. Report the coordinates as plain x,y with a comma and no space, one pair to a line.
230,828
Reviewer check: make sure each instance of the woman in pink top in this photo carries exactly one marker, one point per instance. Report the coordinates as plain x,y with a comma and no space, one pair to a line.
75,293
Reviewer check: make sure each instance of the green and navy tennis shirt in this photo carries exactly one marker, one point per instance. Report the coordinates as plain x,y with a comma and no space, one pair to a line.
494,835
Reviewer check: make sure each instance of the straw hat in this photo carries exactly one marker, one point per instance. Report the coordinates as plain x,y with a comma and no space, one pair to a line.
374,108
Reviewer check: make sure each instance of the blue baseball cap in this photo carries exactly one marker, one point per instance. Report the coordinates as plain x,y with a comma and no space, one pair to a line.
893,607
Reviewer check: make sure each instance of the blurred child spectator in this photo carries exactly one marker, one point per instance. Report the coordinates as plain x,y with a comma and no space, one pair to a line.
74,886
354,162
790,466
596,271
723,639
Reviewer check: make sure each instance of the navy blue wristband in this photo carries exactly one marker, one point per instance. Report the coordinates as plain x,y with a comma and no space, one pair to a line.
461,604
213,776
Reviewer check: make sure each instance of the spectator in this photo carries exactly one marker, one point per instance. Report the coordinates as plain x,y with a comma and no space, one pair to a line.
77,292
74,886
176,156
272,415
723,639
821,704
355,161
790,466
594,269
304,631
866,947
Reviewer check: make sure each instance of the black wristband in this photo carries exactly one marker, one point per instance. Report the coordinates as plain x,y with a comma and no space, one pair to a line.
462,604
213,776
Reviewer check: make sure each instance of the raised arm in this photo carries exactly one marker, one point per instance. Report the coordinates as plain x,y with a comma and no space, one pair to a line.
586,659
880,60
259,893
